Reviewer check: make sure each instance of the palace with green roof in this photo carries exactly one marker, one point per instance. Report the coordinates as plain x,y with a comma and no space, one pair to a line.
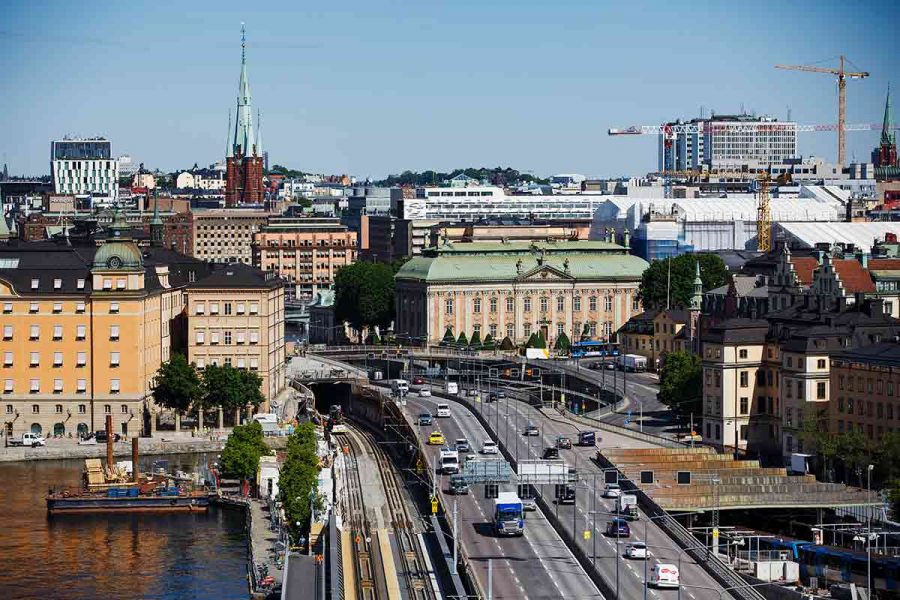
513,289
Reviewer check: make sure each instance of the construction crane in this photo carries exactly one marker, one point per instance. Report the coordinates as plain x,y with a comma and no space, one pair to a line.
842,76
763,208
702,127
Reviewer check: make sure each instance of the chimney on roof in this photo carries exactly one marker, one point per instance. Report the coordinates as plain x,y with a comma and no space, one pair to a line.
875,307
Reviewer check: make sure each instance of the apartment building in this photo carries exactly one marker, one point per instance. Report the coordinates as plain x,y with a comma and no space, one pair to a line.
85,167
865,385
216,235
86,328
305,251
236,317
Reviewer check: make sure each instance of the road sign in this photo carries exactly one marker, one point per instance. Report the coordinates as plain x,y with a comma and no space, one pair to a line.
543,471
587,534
487,470
420,466
434,505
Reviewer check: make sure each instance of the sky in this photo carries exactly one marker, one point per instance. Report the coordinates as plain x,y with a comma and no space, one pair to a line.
372,87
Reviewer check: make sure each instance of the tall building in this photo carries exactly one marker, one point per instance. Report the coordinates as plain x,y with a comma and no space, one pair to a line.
885,155
244,155
215,235
727,141
85,167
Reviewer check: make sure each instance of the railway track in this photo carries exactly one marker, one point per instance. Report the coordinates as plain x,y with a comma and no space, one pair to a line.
415,568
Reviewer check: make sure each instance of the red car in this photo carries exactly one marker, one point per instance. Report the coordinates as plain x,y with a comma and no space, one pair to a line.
418,381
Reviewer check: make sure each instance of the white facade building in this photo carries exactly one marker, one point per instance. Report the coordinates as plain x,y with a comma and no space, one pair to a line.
85,167
483,202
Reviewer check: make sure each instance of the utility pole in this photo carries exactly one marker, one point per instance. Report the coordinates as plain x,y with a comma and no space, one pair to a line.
455,537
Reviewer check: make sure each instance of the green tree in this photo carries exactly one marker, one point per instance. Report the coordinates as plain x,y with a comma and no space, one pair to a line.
449,338
652,290
298,477
562,342
240,457
475,342
815,435
507,344
177,384
539,341
586,333
681,383
489,342
231,388
462,340
373,339
364,295
532,340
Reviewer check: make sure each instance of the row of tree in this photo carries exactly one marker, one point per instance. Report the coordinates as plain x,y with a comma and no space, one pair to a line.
181,386
500,176
243,449
298,479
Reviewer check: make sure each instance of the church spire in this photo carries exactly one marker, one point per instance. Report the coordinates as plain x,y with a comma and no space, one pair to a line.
244,139
697,297
887,128
259,146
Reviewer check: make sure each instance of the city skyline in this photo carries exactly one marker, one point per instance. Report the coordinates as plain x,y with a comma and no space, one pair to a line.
342,91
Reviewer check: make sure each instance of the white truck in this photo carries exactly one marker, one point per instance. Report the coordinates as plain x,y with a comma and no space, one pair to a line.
628,506
400,387
632,362
28,439
449,461
268,421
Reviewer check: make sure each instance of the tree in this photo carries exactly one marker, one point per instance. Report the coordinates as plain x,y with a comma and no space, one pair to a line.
231,388
462,341
475,342
562,342
177,384
449,338
681,383
539,341
586,333
652,290
489,342
373,339
507,344
298,477
814,433
532,340
240,457
364,295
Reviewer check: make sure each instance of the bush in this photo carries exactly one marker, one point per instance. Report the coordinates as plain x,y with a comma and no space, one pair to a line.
507,344
476,340
462,341
489,342
448,338
562,342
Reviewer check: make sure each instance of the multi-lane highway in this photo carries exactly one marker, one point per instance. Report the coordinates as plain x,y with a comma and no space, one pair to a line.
508,417
536,565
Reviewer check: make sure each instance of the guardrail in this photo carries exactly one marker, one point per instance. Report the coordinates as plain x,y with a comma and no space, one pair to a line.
618,429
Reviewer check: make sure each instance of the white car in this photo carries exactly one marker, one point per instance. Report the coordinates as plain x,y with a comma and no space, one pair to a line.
424,393
637,550
489,447
612,490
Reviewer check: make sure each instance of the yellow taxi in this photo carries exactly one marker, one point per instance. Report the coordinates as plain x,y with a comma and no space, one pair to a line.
436,438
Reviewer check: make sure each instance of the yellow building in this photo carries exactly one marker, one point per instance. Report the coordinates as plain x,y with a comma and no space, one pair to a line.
85,329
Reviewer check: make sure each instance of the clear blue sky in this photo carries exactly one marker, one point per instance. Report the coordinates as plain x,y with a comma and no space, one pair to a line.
372,87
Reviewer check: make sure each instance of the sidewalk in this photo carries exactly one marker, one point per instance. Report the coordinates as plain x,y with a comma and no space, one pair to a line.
264,550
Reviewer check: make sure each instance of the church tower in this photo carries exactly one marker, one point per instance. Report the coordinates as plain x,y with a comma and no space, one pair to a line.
244,156
886,153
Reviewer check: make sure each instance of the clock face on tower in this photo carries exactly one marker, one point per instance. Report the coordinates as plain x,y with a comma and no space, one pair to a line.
114,262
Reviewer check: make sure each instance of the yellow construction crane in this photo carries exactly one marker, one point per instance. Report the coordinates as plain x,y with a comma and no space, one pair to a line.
842,76
763,209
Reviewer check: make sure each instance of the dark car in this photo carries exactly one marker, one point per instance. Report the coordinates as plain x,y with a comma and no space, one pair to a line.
587,438
550,453
501,395
100,436
564,443
531,429
426,419
492,397
458,485
618,528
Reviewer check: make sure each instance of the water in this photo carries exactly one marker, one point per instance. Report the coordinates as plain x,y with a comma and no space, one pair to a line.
81,557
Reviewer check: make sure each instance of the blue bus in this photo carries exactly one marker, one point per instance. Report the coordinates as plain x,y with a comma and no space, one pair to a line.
593,349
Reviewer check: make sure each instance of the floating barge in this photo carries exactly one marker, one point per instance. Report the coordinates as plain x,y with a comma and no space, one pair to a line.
113,491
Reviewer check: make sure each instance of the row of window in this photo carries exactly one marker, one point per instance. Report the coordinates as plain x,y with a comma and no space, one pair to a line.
239,337
80,359
58,386
873,433
544,304
34,332
867,408
606,329
239,362
82,409
867,385
239,308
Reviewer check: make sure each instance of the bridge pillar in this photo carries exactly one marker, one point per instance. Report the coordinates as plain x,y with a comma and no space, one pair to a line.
177,421
200,420
220,418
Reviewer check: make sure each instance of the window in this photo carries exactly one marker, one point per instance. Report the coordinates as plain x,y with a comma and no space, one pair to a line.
124,409
228,337
840,382
57,308
510,304
820,363
745,406
36,408
742,353
560,328
113,386
492,328
527,330
254,308
57,359
526,304
80,284
114,333
35,387
57,332
200,337
107,284
449,306
820,390
254,337
213,308
879,410
7,308
214,337
560,303
254,364
7,332
79,307
240,363
81,359
240,337
34,307
35,333
107,408
80,332
744,433
790,361
199,308
545,304
592,303
114,359
493,305
476,305
511,331
576,303
635,304
57,387
227,307
114,308
35,284
35,359
789,416
608,303
8,387
120,284
239,309
744,379
81,387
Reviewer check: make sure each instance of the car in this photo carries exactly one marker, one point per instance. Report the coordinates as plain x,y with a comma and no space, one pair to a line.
462,445
501,394
529,503
637,551
425,418
550,453
489,447
458,485
443,410
472,392
492,397
613,490
418,381
531,429
100,436
664,575
424,393
436,439
618,528
564,443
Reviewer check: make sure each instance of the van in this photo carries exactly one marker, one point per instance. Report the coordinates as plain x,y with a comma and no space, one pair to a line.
452,387
400,386
443,410
665,575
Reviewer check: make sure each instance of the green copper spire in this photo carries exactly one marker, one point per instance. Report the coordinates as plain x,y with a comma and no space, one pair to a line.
887,129
243,139
697,297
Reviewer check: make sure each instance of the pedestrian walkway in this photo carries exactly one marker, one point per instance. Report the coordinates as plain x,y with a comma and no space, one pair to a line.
266,549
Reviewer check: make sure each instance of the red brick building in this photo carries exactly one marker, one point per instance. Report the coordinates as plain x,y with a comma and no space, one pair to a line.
244,158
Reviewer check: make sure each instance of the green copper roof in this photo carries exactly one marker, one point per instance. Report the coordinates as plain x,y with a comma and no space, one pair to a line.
525,262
